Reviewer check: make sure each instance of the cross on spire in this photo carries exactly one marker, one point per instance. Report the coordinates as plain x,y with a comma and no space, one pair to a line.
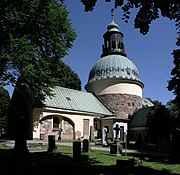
112,14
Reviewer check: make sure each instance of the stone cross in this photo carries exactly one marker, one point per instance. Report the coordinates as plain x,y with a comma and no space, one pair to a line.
117,129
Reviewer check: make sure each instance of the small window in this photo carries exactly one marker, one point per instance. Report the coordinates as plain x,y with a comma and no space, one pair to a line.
68,98
55,122
95,124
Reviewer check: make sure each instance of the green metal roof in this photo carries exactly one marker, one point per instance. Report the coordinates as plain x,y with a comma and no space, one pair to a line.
114,66
74,100
146,102
139,119
113,27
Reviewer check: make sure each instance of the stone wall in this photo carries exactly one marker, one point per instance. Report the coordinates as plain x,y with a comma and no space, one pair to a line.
123,105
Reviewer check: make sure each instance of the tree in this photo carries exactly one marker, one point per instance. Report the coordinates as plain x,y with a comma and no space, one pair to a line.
158,125
174,86
173,109
4,102
174,83
65,76
147,11
34,36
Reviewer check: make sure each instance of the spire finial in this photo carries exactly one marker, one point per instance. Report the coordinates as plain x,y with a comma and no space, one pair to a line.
112,14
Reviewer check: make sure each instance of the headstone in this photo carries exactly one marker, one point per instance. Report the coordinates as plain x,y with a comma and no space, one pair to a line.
116,147
117,130
86,145
121,133
77,150
51,143
91,133
104,137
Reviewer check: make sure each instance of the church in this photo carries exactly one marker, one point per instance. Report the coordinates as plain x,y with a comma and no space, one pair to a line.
113,96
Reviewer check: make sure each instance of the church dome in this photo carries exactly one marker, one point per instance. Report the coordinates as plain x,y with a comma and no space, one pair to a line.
114,66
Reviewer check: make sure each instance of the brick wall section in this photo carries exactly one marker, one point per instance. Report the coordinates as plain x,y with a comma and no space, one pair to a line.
122,104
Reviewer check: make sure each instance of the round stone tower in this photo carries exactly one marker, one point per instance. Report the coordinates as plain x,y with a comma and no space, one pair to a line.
115,79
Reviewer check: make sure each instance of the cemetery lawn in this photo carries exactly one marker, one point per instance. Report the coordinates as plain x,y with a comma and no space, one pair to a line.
94,162
103,158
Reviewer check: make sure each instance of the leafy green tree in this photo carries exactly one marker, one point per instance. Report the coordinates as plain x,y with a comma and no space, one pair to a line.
65,76
174,86
173,109
34,36
4,102
174,83
147,11
158,125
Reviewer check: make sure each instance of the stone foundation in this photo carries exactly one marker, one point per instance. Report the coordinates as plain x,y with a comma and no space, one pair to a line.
123,105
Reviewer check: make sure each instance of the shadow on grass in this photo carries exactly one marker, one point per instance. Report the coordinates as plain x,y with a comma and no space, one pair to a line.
57,163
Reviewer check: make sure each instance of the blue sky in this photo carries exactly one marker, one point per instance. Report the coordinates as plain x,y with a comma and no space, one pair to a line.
150,53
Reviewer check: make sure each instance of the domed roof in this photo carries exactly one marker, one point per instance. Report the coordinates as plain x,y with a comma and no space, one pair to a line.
114,66
113,27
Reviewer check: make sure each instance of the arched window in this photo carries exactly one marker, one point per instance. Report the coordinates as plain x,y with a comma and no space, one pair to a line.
55,122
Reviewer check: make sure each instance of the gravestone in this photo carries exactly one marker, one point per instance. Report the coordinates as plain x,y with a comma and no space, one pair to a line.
117,130
51,143
104,137
85,145
116,147
91,138
76,150
121,133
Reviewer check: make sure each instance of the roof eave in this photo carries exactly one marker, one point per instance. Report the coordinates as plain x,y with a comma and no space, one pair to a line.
75,111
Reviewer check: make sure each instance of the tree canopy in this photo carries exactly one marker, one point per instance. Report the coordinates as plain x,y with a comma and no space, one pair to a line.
34,35
147,11
174,82
173,109
65,76
158,123
4,102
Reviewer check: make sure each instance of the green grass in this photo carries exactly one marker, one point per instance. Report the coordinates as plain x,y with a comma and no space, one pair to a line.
94,162
105,159
174,168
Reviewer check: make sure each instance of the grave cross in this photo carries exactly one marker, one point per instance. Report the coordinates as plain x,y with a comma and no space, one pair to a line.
117,129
